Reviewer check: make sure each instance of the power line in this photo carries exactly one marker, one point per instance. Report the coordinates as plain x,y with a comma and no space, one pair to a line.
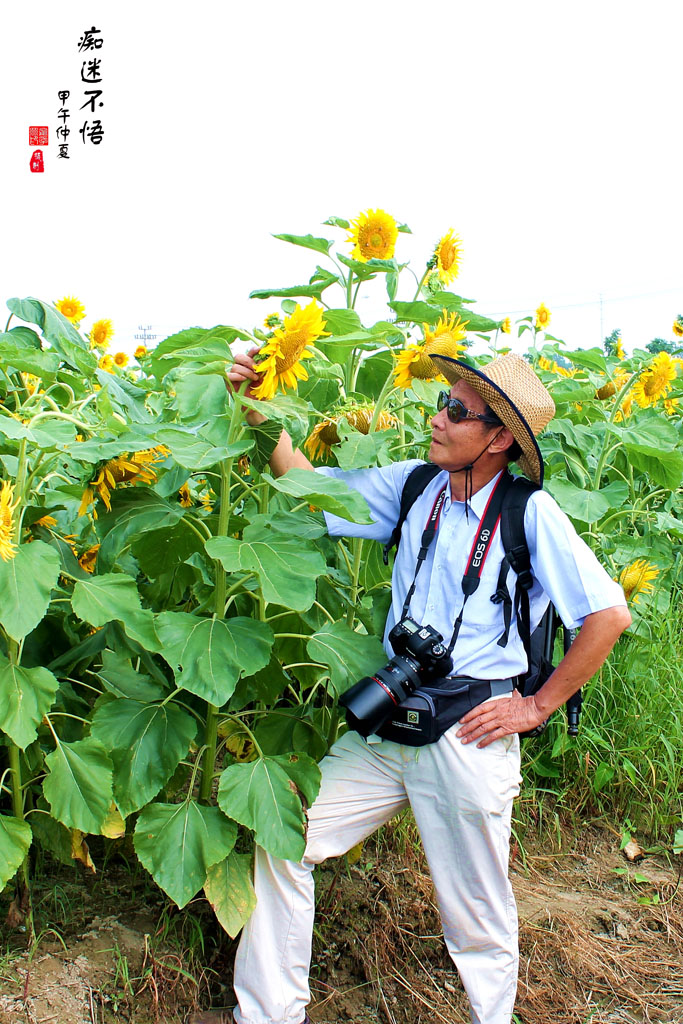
592,302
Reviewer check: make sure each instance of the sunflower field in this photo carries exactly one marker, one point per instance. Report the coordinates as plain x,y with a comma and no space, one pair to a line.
175,624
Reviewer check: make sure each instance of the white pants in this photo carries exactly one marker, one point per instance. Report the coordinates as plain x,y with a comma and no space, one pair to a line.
461,797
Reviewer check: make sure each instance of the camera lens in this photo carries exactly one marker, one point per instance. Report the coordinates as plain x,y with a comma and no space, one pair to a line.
371,700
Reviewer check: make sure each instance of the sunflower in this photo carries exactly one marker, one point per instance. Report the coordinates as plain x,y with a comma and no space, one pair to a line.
444,340
374,236
325,434
106,363
272,321
670,406
184,496
284,352
121,359
619,350
506,326
140,352
655,381
71,308
126,469
677,326
47,521
30,382
610,387
447,257
542,318
636,579
88,558
8,547
101,333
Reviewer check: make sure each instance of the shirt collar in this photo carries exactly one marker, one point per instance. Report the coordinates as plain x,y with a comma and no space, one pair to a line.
478,501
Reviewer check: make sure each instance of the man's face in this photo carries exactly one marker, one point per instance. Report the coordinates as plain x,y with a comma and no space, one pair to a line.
455,445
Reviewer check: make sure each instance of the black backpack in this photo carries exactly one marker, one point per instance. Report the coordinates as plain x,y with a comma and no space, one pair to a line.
539,644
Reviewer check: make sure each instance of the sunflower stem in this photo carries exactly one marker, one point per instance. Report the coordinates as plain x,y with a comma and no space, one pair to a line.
421,282
349,287
18,793
379,404
357,545
62,416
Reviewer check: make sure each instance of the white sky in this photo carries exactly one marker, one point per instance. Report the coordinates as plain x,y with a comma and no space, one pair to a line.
547,135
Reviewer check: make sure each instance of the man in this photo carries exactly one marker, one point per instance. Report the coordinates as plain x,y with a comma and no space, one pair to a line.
461,787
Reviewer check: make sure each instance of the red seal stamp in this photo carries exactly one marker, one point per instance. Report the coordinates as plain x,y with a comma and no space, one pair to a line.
37,161
37,135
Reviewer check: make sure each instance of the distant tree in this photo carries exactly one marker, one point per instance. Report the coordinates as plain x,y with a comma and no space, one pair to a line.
674,348
612,344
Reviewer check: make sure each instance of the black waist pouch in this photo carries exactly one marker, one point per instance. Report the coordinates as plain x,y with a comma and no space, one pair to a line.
426,715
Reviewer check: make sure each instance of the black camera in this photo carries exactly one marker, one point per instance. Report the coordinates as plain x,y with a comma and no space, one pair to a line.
420,658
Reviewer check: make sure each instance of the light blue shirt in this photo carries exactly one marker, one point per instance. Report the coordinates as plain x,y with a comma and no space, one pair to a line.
564,568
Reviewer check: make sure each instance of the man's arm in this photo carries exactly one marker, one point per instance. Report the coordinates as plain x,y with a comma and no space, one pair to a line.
284,457
598,635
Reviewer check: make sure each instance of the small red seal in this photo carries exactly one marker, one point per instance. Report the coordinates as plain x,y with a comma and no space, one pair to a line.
37,161
37,135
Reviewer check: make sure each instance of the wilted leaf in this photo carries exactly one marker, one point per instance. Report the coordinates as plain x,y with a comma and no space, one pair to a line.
230,891
80,850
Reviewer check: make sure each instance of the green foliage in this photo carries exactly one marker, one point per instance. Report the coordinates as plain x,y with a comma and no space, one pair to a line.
194,621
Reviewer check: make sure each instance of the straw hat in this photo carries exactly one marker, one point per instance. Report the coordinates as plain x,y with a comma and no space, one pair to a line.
510,387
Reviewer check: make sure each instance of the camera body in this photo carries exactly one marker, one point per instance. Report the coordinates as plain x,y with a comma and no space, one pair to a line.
420,658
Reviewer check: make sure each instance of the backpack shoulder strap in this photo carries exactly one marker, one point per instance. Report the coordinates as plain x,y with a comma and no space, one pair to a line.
415,484
518,558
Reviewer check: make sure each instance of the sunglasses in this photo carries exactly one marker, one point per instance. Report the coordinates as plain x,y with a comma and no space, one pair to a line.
456,410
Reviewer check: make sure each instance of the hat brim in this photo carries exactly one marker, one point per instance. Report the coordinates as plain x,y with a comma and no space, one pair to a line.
531,460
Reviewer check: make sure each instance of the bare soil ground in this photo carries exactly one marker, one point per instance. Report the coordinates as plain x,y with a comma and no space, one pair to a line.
597,946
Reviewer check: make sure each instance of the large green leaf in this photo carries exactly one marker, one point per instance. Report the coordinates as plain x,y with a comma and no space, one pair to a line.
416,312
343,321
287,410
348,655
286,568
25,695
230,891
145,743
591,358
586,506
194,452
111,596
325,492
26,582
264,796
209,655
55,327
308,242
665,467
78,786
15,840
178,843
134,511
28,360
320,280
357,451
120,678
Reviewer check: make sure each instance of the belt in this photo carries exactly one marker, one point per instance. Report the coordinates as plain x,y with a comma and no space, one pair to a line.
462,684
